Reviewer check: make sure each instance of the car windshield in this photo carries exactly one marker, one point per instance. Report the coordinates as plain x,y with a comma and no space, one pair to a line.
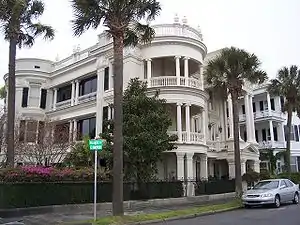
267,185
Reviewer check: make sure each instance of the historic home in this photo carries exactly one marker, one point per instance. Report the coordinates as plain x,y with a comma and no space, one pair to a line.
78,93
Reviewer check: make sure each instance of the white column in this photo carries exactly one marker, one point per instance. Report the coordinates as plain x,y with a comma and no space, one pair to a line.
73,93
149,71
204,124
76,91
111,76
269,103
109,113
248,119
177,68
282,132
243,167
271,131
203,167
230,118
179,124
201,77
187,121
186,67
190,174
74,130
99,101
252,123
257,166
54,98
180,165
221,114
225,120
71,130
231,168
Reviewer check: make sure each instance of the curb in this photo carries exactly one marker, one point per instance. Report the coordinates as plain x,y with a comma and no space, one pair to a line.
187,216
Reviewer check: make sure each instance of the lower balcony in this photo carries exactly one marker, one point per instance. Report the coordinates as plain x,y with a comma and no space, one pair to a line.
193,138
271,144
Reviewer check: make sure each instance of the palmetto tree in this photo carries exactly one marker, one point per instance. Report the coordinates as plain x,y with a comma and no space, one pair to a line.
18,20
227,73
122,20
287,84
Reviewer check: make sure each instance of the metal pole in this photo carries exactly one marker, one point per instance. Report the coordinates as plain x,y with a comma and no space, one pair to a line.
95,186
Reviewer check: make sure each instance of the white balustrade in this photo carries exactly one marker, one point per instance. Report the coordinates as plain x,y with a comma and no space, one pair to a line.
269,144
194,137
87,97
63,104
172,81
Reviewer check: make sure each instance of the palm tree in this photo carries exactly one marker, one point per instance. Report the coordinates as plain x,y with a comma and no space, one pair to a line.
122,20
287,84
18,20
227,73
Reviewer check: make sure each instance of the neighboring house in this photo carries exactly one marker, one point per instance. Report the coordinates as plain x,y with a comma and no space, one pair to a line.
78,93
270,126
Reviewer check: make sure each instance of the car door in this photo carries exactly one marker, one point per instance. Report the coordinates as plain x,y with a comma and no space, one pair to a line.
283,191
290,190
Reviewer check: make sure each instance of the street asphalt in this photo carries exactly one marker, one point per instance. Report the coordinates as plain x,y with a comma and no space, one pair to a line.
287,214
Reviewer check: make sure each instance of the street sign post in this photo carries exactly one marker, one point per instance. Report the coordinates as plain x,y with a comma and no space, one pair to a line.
95,145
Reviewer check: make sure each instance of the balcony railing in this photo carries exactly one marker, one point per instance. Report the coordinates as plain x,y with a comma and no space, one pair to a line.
87,97
217,145
165,81
270,144
63,104
263,114
194,137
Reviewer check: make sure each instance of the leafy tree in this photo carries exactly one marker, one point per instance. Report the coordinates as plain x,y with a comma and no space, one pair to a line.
18,20
146,122
3,93
122,20
227,73
80,155
287,84
268,154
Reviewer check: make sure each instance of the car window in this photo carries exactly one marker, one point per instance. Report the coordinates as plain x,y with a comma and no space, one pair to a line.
282,183
268,184
289,183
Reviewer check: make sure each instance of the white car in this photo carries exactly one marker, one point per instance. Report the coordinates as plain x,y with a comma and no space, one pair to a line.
271,192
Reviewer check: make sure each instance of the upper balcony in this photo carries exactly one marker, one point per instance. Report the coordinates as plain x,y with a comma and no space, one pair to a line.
173,71
262,115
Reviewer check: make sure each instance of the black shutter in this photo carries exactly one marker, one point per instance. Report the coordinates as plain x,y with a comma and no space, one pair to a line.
25,97
106,79
43,99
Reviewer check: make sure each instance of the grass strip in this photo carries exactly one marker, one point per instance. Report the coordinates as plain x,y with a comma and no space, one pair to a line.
131,219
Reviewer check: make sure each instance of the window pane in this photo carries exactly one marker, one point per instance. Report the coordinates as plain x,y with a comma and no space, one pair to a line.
296,133
41,133
64,93
106,78
22,131
43,99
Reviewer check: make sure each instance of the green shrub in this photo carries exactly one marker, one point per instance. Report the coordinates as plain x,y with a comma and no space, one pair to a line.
295,177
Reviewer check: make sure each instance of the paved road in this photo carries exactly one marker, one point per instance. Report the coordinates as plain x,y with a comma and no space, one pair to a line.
288,214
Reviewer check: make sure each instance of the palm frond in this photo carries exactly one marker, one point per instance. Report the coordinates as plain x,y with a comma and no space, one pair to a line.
149,9
138,33
87,13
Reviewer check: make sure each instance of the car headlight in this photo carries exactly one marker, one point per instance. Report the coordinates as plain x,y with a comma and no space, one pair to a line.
267,195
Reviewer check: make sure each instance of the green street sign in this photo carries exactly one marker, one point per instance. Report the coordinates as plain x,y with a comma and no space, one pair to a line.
96,145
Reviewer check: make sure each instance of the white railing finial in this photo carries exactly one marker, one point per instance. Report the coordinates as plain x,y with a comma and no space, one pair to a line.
184,20
176,19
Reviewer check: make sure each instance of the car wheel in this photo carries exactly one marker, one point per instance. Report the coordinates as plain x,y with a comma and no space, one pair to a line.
277,201
296,198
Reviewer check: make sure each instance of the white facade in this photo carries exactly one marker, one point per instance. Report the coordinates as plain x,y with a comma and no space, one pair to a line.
81,87
267,113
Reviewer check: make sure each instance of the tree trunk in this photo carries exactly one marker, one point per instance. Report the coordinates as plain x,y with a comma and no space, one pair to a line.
11,104
117,203
288,141
236,138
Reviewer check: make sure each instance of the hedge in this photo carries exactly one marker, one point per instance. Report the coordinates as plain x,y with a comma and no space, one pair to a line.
19,195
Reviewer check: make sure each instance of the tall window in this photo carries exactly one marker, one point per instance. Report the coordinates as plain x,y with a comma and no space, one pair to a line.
106,78
254,107
296,133
22,130
25,97
86,127
281,102
243,109
43,99
261,105
272,104
64,93
61,133
31,131
88,86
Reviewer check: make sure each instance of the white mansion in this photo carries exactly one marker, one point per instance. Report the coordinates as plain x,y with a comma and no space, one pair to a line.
78,91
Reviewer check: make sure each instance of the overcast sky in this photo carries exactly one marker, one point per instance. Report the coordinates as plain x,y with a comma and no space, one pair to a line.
269,28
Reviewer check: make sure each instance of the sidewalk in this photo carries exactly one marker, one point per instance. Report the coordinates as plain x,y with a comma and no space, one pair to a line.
85,212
